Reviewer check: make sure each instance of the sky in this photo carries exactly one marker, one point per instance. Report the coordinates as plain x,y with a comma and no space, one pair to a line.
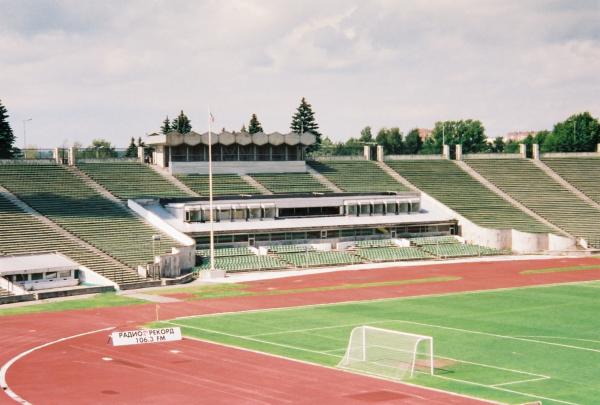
114,69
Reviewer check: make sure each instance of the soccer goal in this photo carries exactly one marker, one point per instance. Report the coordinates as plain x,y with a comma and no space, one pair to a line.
388,353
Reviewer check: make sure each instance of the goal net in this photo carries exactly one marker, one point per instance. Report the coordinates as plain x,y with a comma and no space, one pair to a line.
388,353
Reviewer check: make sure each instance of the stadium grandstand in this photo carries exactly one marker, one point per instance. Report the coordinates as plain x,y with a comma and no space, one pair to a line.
133,223
535,189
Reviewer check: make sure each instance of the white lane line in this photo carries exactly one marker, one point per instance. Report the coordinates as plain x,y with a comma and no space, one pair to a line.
561,337
3,370
500,336
378,377
519,381
507,390
252,339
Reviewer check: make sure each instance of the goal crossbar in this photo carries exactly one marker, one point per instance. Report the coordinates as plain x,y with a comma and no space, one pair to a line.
388,352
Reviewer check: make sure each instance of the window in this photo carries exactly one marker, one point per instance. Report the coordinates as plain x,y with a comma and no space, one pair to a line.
391,208
51,275
37,276
351,210
240,238
64,274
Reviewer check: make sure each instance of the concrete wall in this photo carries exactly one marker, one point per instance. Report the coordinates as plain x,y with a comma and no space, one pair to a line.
524,242
186,254
88,276
414,157
559,243
492,156
569,154
239,167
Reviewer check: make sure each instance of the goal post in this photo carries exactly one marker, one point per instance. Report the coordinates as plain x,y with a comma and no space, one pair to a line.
388,353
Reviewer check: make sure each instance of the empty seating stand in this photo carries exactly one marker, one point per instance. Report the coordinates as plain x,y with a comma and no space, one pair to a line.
223,184
581,172
68,201
392,254
531,186
290,182
357,175
452,186
239,259
22,233
130,180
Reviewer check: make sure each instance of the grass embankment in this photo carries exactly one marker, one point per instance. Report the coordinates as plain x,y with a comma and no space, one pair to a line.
95,301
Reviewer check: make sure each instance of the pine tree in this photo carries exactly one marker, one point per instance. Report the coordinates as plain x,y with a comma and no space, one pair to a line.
166,126
7,138
181,124
140,142
243,128
304,121
132,149
254,126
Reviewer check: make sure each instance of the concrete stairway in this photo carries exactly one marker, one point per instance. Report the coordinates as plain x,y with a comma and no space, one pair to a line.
323,180
248,179
174,180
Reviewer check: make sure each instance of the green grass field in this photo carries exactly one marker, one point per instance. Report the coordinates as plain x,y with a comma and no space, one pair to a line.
512,346
109,299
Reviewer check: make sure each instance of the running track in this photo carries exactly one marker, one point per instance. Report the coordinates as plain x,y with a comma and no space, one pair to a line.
88,370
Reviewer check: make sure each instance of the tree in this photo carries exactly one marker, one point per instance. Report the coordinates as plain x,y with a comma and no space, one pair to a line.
468,133
140,142
304,121
511,147
181,124
243,128
366,135
131,151
391,140
100,148
498,145
166,126
413,142
579,133
7,138
254,126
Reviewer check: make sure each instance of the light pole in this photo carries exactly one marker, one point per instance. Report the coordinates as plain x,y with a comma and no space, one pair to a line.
25,133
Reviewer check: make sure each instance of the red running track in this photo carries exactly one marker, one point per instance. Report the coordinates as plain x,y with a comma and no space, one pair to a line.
73,371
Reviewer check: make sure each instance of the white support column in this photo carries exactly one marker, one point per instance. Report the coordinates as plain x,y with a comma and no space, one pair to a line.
72,153
56,156
523,150
367,152
598,148
446,151
140,153
458,152
380,153
536,151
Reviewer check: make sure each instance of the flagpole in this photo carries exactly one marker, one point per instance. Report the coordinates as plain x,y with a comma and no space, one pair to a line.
210,194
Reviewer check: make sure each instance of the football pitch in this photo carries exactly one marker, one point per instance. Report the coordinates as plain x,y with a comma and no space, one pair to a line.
512,346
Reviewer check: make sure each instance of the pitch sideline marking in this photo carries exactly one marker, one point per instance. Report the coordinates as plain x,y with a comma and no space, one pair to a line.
507,390
250,338
540,377
456,394
3,370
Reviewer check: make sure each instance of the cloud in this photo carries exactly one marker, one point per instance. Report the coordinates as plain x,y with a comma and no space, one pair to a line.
114,69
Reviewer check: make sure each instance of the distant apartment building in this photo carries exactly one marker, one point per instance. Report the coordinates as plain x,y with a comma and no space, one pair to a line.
424,133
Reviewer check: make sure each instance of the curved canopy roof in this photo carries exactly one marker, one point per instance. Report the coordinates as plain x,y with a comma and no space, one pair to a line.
192,138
